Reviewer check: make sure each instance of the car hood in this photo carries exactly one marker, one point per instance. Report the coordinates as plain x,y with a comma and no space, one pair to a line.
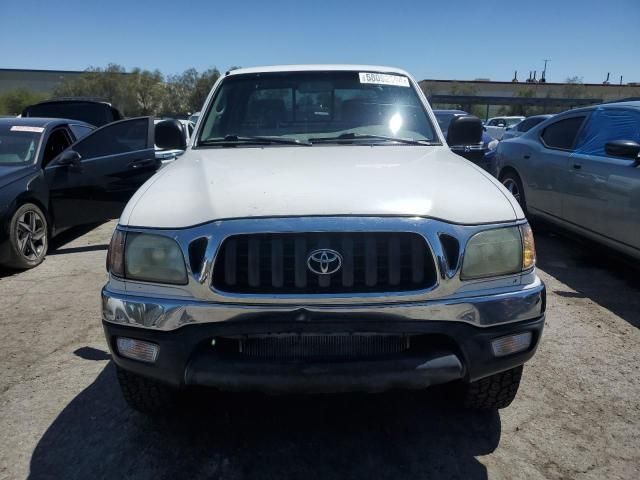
224,183
11,173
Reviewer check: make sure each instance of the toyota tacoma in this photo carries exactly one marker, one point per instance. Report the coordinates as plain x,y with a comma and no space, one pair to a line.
318,235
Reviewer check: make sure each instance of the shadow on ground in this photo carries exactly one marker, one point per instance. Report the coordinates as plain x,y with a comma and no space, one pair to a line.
236,436
591,271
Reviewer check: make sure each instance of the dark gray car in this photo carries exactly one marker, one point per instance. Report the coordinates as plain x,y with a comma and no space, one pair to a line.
581,170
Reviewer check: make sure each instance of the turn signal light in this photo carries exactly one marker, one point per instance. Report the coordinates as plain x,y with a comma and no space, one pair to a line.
137,349
528,247
511,344
115,254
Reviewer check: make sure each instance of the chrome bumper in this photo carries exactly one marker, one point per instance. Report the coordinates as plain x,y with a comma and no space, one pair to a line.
524,303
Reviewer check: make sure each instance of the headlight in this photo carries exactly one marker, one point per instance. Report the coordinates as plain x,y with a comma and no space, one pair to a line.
146,257
493,144
501,251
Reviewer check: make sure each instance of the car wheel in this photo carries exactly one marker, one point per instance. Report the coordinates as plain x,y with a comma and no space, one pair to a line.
28,237
493,392
145,395
512,182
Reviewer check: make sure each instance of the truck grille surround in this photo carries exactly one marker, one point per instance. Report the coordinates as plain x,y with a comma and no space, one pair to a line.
279,263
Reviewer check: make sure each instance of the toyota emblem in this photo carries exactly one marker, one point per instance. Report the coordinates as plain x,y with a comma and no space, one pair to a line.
324,261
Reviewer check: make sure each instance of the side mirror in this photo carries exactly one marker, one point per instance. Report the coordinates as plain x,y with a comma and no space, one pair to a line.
464,131
170,135
623,148
70,158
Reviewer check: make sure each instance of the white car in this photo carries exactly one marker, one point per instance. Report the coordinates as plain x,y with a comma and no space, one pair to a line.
496,126
318,235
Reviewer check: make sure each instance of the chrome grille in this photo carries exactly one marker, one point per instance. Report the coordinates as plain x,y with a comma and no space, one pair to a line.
301,346
277,263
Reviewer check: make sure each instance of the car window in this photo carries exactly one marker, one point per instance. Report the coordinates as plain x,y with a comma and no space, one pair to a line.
562,134
58,141
80,130
120,137
606,125
525,125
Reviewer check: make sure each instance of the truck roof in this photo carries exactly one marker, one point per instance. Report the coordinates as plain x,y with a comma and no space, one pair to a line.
318,68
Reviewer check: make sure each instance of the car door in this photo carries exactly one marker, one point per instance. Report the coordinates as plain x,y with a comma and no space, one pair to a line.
604,191
549,160
115,160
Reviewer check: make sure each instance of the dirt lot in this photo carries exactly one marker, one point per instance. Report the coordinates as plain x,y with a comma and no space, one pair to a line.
577,414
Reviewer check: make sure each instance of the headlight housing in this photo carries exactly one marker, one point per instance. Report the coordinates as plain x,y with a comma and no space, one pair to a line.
146,257
500,251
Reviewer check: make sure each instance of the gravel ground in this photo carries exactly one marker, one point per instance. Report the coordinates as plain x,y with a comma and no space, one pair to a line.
577,414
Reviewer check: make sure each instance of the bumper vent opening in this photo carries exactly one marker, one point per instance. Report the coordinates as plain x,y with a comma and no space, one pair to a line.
279,263
306,346
197,250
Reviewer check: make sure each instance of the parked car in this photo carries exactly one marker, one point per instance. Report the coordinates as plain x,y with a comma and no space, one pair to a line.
55,174
194,117
481,153
524,126
346,248
92,112
580,170
496,126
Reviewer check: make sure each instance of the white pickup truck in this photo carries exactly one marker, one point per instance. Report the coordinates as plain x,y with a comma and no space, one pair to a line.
318,235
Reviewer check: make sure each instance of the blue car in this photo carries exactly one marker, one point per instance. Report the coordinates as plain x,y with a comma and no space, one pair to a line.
486,159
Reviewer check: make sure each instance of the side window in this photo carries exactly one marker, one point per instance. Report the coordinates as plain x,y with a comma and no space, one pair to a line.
562,133
58,141
115,138
493,123
80,130
606,125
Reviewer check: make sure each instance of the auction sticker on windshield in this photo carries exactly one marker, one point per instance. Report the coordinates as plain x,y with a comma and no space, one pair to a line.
384,79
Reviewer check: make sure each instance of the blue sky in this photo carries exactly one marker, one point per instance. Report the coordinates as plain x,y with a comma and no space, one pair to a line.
457,39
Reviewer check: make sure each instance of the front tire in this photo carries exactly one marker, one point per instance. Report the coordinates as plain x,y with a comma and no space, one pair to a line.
493,392
145,395
28,237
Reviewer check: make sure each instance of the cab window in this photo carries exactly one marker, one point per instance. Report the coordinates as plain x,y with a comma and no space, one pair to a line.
58,141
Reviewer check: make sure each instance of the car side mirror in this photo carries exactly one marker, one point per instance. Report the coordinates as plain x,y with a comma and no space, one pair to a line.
464,130
70,158
623,148
170,135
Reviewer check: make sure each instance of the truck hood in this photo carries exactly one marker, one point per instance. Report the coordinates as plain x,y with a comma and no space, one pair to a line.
224,183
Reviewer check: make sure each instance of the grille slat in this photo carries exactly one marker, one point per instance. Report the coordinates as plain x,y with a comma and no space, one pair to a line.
295,346
276,263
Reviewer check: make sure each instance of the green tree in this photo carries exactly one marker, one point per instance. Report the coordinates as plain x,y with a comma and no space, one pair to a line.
13,102
149,91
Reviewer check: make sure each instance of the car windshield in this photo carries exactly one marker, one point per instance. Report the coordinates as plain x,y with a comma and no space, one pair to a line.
18,144
316,107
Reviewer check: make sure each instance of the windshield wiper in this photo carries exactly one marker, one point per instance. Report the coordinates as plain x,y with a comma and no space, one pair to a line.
235,139
365,136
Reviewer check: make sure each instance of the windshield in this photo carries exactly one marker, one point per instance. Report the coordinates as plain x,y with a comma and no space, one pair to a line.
18,144
513,121
308,107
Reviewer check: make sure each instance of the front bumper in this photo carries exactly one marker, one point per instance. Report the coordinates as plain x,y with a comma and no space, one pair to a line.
458,333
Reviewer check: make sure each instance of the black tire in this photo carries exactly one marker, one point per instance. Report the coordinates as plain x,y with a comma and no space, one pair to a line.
28,237
494,392
512,182
146,396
